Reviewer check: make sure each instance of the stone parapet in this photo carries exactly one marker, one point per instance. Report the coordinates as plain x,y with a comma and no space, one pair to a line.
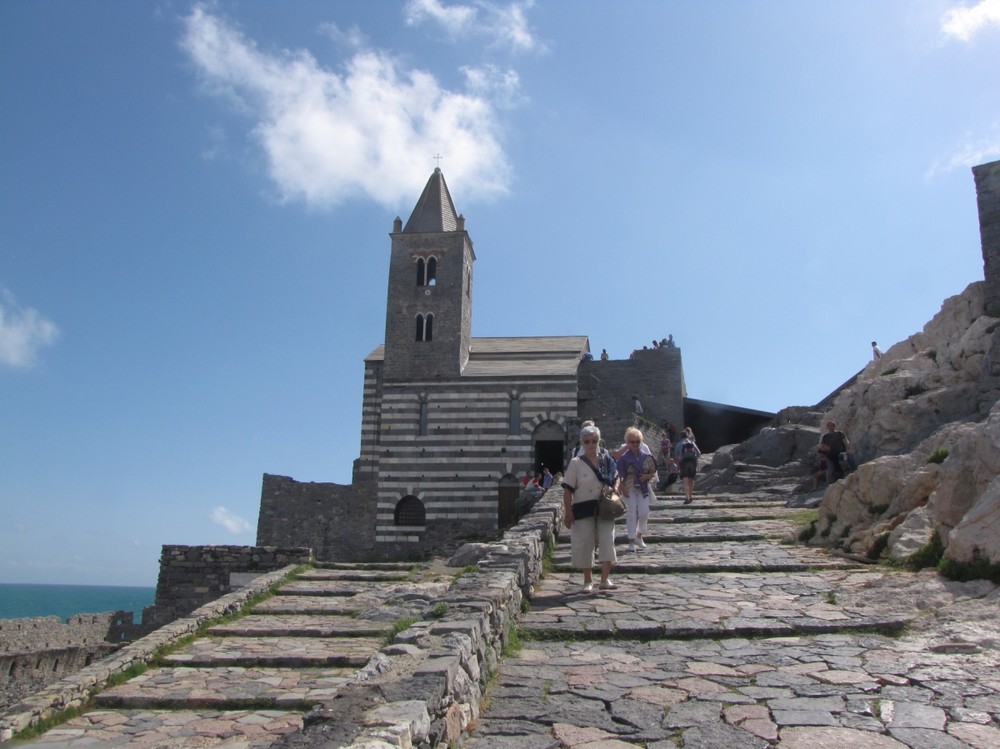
191,576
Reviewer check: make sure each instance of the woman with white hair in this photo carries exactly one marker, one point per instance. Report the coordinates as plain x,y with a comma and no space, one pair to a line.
582,483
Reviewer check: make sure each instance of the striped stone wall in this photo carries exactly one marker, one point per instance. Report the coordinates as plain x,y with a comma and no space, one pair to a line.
455,468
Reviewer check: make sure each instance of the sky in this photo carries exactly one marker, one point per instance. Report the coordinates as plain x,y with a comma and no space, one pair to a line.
196,198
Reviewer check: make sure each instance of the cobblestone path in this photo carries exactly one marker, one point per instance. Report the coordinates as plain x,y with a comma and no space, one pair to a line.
249,681
720,637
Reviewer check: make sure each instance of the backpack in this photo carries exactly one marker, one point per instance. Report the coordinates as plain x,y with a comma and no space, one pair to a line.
688,451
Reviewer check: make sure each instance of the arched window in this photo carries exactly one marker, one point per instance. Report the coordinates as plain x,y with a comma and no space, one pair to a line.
432,265
425,328
420,271
514,422
410,511
423,417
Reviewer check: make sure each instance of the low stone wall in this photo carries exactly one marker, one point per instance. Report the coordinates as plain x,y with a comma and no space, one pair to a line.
191,576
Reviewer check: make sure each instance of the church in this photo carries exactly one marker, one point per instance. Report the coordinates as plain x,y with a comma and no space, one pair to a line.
451,423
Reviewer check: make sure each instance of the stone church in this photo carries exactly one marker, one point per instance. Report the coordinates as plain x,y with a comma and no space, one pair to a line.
450,423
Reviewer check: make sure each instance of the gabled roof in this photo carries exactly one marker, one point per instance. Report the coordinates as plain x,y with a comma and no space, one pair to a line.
519,357
434,211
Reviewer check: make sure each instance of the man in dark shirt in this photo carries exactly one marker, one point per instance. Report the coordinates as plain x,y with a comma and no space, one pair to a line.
832,444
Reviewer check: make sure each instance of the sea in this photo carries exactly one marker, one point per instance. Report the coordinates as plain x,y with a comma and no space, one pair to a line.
19,601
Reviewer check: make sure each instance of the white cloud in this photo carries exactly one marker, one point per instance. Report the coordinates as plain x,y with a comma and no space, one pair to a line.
972,152
231,522
965,21
455,19
371,130
506,25
22,332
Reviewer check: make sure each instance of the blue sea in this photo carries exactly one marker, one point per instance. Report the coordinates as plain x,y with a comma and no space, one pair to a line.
19,601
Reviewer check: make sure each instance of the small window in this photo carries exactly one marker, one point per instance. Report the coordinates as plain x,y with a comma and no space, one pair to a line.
432,265
514,424
423,417
425,328
410,511
420,271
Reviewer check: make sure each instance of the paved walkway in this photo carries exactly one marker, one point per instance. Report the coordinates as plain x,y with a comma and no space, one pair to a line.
721,637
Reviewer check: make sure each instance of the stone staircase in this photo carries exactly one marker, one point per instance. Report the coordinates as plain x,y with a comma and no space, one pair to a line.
720,635
250,679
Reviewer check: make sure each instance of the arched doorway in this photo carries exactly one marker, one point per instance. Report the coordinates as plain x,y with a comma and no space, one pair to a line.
548,441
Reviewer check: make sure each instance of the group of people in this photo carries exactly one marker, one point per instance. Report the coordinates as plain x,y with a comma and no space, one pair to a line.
537,482
667,342
632,471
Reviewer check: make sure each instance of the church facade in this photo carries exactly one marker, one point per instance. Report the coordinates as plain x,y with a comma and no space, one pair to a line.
450,422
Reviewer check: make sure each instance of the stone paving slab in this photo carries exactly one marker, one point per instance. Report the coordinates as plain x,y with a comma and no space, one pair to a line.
276,651
697,604
356,575
665,530
749,555
699,513
861,690
227,687
331,588
297,625
154,729
334,605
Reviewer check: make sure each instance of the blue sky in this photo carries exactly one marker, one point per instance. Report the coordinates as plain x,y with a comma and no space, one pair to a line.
195,202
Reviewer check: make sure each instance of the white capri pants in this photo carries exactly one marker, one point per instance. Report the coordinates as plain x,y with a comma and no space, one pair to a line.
587,533
637,512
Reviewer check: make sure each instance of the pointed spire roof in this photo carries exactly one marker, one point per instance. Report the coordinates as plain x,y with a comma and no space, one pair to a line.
434,211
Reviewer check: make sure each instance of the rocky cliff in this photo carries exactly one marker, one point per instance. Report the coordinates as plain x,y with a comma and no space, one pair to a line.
924,424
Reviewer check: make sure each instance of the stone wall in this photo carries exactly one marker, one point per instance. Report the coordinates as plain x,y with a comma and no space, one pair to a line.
38,651
336,521
606,388
987,177
191,576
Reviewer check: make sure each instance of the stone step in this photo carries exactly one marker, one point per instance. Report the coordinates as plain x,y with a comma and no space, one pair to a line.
693,605
299,625
293,652
349,575
234,729
729,556
312,604
229,688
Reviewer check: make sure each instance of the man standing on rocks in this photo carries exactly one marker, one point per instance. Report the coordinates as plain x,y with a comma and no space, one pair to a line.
834,446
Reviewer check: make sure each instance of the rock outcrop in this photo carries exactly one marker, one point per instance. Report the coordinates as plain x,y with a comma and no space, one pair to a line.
924,424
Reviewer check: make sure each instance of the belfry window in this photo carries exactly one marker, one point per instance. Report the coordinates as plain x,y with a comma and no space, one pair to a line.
410,511
427,271
425,328
423,417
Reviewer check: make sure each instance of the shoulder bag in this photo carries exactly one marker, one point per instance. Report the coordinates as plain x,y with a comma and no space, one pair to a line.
610,505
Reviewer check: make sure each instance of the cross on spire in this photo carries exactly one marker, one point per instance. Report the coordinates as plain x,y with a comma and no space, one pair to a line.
438,158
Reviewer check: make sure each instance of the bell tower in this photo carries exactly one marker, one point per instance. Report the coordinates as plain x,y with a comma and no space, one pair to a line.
428,316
